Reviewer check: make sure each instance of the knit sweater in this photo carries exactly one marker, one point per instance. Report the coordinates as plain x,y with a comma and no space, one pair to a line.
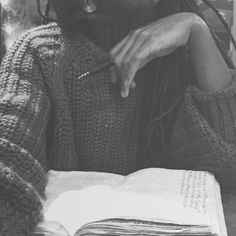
50,119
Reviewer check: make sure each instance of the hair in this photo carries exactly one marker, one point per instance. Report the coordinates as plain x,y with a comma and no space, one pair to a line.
164,94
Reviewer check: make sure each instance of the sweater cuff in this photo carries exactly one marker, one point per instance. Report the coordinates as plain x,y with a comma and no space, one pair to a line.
22,163
219,109
20,204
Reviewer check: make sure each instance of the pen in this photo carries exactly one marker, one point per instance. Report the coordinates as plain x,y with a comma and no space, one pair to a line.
97,69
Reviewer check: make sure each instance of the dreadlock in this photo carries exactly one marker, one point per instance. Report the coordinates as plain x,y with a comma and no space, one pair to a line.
224,23
169,88
45,16
164,93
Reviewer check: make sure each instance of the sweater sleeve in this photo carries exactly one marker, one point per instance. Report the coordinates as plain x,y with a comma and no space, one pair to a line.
24,112
204,136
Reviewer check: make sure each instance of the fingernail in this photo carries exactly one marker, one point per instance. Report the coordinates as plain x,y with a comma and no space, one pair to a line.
124,94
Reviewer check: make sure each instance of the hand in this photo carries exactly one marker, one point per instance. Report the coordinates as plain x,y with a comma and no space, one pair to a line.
157,39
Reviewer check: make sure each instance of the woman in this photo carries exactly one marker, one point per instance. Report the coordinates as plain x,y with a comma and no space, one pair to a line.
167,101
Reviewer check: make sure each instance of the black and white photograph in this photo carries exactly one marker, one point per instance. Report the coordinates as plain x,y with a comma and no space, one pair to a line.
118,118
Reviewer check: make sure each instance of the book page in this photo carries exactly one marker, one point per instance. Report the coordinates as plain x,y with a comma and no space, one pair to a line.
190,194
158,195
62,181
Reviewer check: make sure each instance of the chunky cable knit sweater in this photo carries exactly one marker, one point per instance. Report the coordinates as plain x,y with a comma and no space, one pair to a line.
49,119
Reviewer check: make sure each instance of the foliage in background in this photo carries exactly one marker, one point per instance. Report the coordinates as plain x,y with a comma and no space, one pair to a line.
17,17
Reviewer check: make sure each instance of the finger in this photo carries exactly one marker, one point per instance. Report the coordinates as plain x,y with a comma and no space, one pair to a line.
124,89
126,81
127,67
141,57
115,50
133,39
115,75
130,59
132,51
130,65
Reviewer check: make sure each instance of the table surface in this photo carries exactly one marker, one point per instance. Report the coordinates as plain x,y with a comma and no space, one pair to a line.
229,204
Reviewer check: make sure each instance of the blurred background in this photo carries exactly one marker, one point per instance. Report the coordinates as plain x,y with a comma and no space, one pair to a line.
225,7
18,16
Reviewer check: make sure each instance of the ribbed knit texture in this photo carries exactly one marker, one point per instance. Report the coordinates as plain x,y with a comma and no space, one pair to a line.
204,134
23,118
49,119
93,128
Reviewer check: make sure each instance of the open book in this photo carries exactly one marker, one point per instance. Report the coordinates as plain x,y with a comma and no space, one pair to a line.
153,202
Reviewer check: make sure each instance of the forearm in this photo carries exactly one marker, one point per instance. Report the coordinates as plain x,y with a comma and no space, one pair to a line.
24,114
211,70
